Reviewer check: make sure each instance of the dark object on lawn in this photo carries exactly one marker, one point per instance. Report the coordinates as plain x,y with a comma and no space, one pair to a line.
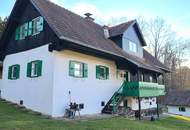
21,102
152,118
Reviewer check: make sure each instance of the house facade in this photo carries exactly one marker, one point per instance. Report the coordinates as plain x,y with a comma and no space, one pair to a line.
53,57
178,103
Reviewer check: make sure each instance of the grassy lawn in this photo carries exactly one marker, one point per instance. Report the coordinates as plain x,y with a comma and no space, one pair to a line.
14,119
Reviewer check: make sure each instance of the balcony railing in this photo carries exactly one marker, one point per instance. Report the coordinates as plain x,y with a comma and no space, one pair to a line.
143,89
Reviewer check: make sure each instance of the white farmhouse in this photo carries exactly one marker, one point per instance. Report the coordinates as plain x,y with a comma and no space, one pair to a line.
52,57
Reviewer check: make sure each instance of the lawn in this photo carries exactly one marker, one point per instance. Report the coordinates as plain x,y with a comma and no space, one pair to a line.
12,118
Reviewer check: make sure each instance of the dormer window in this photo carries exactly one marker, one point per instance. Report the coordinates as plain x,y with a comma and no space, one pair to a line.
132,46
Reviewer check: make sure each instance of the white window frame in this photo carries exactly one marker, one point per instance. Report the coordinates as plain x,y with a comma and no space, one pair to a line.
78,69
35,25
133,46
34,68
13,69
22,32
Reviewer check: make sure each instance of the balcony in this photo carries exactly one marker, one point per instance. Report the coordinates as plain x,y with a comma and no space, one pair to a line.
142,89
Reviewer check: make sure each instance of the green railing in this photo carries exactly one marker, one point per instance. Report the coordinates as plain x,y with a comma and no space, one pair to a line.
143,89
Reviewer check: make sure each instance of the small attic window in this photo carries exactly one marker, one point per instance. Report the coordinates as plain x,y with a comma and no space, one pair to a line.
132,46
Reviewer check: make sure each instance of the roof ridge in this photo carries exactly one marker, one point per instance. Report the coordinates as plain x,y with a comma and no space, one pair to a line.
122,23
70,11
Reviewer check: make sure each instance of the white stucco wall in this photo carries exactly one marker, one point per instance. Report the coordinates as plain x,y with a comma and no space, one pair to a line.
145,103
175,110
49,94
89,91
36,93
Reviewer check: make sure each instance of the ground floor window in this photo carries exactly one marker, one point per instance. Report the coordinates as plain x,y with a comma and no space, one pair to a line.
102,72
182,109
14,72
34,69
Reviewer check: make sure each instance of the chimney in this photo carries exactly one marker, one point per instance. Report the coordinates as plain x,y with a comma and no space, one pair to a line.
106,31
88,17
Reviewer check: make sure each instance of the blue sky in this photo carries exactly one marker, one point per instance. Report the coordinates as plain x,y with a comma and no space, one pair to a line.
175,12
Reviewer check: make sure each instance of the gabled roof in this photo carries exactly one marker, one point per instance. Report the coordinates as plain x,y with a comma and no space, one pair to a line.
152,60
121,28
71,27
178,98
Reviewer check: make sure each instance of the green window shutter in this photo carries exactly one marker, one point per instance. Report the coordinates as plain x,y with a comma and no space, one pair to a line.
30,28
26,29
17,33
17,71
29,69
39,69
40,24
71,68
107,73
9,72
85,70
97,71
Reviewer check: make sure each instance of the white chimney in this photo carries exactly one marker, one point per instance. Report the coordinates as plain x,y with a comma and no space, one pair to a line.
106,31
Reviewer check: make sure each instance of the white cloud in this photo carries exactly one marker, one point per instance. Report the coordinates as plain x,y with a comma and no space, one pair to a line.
122,15
181,31
59,2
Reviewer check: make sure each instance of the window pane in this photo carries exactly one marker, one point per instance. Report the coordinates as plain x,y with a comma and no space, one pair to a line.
132,46
78,69
102,72
34,69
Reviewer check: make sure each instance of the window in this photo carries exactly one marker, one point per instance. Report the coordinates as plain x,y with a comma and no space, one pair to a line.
34,69
78,69
142,77
14,72
33,27
182,109
132,46
37,24
102,72
151,79
23,31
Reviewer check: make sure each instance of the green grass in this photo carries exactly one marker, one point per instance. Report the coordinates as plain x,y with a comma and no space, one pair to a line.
14,119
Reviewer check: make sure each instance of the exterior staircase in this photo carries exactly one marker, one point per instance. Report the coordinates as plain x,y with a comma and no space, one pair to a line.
114,102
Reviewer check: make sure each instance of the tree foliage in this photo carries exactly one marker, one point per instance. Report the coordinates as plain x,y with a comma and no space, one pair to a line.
3,23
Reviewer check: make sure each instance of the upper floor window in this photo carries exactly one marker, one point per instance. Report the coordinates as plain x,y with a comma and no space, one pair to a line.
151,78
37,25
33,27
142,77
14,72
78,69
132,46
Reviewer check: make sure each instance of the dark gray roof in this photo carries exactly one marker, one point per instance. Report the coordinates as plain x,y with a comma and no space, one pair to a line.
178,98
152,60
120,29
74,28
